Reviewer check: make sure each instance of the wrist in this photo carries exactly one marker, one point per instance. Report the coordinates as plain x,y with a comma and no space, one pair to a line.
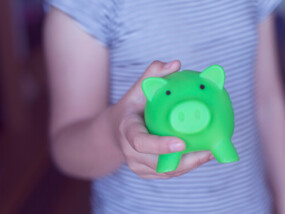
113,117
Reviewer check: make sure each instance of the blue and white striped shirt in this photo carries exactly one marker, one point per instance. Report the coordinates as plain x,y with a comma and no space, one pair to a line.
199,33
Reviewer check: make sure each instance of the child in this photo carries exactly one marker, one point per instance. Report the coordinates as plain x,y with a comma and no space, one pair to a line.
98,52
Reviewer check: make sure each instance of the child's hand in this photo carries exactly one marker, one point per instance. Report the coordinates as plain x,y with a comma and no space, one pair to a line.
141,149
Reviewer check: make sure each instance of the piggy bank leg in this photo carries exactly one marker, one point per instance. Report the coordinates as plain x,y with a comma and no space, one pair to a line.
225,152
168,162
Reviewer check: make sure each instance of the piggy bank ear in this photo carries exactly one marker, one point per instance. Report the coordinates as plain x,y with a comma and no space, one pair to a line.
216,74
151,85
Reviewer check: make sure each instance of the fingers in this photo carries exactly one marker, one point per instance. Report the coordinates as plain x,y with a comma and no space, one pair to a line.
147,172
152,144
146,167
138,137
156,69
161,69
190,162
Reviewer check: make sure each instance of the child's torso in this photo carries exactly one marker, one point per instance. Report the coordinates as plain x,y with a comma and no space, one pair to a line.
199,33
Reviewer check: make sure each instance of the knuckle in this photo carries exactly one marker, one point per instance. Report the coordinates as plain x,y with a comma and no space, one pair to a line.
199,161
156,65
137,144
133,166
180,173
144,176
131,158
123,124
171,174
166,176
153,162
196,164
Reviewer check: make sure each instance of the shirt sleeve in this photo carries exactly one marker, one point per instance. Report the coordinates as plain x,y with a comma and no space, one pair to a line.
96,17
266,7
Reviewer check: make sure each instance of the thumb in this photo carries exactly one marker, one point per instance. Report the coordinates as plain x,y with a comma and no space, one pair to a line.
156,69
160,69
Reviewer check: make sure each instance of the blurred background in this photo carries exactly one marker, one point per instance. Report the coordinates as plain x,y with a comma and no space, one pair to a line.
29,183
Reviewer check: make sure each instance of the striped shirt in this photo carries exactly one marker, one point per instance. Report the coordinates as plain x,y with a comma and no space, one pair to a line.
198,33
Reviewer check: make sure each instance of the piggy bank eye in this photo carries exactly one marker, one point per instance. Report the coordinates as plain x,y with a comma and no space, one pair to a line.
202,86
168,92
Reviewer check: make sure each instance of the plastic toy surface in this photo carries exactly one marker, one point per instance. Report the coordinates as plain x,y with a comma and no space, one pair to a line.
195,107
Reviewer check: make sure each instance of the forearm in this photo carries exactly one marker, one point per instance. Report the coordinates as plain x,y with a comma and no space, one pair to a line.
82,141
271,110
272,124
87,149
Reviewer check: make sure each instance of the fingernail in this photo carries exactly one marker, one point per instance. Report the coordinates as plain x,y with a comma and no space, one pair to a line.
168,65
177,147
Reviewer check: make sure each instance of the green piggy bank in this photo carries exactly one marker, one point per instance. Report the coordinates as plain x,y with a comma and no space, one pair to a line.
195,107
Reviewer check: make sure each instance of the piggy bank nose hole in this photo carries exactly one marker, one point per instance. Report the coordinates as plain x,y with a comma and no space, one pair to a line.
181,116
197,114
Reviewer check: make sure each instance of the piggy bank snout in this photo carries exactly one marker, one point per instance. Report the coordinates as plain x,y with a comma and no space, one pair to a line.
189,117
